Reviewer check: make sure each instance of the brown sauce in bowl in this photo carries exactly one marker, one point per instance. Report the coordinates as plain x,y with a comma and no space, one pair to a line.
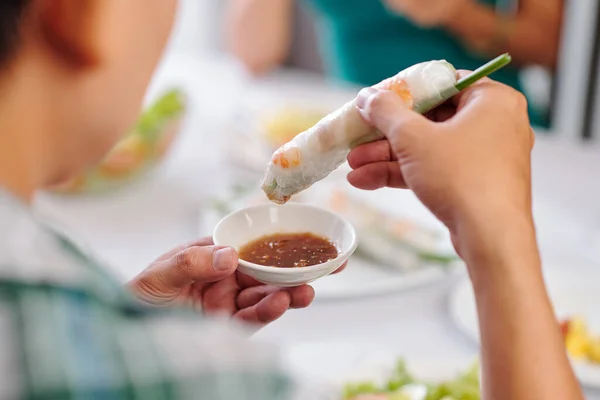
289,250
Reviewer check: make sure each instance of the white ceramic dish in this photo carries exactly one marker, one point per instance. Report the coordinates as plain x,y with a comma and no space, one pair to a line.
573,291
247,224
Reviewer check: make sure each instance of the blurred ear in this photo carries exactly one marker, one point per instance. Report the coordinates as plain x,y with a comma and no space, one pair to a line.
73,29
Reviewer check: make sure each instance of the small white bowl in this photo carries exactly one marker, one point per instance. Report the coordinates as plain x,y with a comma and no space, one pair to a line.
247,224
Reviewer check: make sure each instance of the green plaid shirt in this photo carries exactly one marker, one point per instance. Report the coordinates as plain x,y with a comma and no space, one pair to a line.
69,330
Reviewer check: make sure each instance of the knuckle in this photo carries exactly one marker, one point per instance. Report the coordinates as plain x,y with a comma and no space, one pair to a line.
386,98
520,101
205,241
511,99
408,128
396,133
185,260
377,100
148,285
403,134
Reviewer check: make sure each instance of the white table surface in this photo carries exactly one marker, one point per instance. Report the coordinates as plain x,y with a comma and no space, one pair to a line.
131,227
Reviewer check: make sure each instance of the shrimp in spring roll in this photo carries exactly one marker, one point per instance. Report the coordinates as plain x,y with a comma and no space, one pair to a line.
315,153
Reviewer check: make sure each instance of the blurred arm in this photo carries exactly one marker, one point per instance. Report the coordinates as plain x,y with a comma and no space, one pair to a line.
532,37
522,350
259,32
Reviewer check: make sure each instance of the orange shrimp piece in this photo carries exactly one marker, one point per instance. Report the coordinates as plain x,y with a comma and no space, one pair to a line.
400,88
287,155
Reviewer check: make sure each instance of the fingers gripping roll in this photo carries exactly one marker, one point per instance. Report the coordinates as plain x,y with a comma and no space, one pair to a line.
315,153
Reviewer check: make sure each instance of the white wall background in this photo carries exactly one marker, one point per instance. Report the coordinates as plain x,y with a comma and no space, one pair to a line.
199,30
574,67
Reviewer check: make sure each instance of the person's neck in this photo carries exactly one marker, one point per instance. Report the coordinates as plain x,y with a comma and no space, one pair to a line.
23,152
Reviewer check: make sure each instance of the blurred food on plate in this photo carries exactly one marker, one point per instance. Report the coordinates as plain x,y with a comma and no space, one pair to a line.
389,238
253,133
283,125
139,150
402,385
580,342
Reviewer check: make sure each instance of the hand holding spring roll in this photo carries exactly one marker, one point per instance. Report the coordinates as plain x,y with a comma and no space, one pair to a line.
315,153
472,171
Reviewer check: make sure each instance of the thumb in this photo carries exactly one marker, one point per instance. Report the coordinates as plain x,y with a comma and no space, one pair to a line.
387,112
200,264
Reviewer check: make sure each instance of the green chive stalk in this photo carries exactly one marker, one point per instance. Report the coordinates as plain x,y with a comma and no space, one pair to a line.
483,71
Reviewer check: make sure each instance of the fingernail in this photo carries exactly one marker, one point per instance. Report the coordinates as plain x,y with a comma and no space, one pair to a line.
222,259
363,96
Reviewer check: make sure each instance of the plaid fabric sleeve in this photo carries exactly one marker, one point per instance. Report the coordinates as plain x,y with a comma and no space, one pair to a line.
69,330
60,343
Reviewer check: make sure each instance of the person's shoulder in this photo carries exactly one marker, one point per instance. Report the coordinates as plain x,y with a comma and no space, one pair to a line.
33,253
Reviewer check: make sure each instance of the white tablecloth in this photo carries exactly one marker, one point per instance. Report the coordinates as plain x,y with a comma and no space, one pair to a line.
131,227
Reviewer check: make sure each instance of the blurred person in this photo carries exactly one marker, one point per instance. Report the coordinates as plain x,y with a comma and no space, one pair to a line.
72,77
73,74
367,41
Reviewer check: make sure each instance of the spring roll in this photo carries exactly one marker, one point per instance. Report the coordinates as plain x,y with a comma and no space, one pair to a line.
318,151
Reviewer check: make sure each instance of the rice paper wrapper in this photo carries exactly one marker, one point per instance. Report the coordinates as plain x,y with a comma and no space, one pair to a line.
315,153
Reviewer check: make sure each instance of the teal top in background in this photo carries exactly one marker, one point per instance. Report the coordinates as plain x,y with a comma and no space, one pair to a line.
362,42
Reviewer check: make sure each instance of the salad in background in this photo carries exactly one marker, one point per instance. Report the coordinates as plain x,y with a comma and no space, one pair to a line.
139,150
402,385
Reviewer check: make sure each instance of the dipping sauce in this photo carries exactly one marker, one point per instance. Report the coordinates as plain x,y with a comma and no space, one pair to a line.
289,250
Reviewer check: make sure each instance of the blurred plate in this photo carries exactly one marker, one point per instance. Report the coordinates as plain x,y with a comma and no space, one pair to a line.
398,269
363,278
572,292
